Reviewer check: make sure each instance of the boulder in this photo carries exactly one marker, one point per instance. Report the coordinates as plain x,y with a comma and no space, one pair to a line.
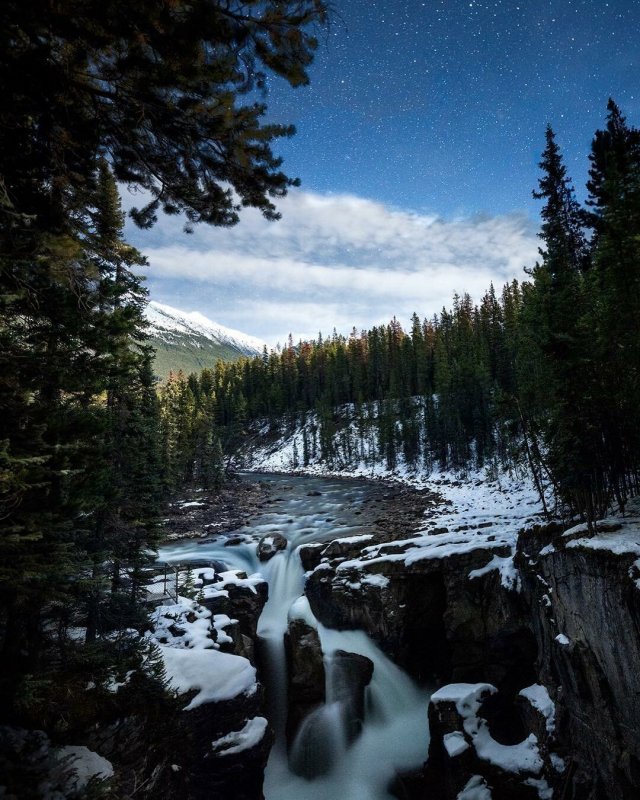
271,544
305,670
351,673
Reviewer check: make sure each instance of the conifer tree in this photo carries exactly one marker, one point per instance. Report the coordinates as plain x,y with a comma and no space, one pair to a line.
560,330
614,198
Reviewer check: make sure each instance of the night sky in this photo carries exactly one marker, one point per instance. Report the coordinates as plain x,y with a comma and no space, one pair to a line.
417,145
441,105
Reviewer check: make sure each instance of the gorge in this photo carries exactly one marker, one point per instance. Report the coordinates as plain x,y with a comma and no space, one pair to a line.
505,625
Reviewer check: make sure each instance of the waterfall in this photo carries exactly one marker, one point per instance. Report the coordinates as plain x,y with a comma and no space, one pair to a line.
394,737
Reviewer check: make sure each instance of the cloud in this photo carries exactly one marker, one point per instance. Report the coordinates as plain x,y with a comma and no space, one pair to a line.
332,261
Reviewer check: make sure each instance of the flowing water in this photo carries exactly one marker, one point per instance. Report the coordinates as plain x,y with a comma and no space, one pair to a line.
395,735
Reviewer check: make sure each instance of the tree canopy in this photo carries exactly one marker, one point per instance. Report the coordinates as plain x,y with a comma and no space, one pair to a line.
169,91
164,95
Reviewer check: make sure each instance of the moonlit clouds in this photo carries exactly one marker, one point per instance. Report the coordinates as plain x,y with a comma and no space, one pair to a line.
332,261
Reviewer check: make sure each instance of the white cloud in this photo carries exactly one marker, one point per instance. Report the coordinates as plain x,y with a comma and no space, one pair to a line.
332,261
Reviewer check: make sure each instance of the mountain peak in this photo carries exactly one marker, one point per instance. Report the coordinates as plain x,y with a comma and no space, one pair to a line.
189,341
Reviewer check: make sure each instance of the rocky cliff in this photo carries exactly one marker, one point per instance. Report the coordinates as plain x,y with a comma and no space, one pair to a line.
583,594
556,616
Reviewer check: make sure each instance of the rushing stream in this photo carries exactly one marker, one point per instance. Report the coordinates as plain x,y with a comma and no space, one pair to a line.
394,737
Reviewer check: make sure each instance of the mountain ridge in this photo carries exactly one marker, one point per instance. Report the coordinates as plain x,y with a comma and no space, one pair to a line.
190,341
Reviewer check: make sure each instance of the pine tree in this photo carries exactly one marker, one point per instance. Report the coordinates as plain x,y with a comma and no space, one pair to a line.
614,188
163,88
561,333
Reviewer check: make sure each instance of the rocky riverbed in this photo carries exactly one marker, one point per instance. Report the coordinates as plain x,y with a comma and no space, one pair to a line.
390,508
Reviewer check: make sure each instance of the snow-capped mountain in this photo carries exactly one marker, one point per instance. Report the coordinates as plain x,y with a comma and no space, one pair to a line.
189,341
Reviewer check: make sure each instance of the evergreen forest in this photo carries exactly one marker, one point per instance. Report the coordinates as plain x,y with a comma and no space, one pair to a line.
545,372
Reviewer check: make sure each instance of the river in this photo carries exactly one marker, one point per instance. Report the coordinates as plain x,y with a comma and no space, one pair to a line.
395,734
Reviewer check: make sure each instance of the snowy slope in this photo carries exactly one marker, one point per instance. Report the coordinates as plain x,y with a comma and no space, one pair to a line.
189,341
167,323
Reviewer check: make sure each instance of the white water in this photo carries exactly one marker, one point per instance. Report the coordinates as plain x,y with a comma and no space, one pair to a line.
395,734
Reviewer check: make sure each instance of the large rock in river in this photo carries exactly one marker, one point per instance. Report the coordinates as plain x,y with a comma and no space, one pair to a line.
271,544
351,673
305,670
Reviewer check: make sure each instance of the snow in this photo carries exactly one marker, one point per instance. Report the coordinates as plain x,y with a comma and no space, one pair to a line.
620,545
86,765
615,534
191,504
237,741
169,620
193,662
216,583
545,792
455,743
165,320
234,577
539,698
562,639
77,634
220,622
202,574
467,696
113,685
215,676
300,609
559,764
475,789
361,537
375,580
509,577
523,757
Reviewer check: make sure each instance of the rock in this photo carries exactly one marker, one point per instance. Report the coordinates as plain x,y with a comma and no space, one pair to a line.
464,747
311,555
207,771
349,547
243,603
269,545
305,670
351,673
585,613
314,493
430,618
246,607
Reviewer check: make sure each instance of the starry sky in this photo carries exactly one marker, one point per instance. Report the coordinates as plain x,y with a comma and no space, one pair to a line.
417,146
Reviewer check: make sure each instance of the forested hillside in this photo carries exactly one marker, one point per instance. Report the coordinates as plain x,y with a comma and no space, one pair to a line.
546,372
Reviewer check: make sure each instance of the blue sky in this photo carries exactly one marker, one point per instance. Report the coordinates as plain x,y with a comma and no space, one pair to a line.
417,147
